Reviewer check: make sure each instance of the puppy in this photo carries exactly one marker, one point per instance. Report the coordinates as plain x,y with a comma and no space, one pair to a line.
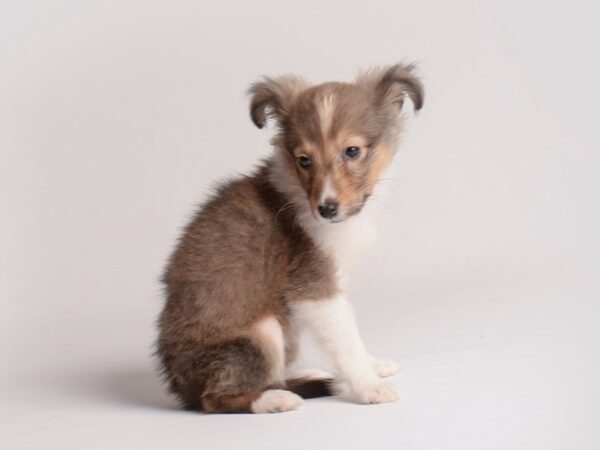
269,253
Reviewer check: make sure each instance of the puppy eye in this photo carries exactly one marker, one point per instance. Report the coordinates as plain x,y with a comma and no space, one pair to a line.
304,161
352,152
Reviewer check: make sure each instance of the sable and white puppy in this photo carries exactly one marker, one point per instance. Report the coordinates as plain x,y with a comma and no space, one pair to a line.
269,253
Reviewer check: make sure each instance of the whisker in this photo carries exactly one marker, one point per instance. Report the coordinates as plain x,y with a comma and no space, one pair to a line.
283,208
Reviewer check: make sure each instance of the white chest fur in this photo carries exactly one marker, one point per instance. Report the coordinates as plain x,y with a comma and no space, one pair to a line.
345,242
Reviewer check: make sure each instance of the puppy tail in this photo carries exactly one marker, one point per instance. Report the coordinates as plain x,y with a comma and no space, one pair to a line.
311,387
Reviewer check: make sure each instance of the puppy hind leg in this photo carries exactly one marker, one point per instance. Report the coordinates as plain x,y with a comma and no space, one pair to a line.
239,373
249,373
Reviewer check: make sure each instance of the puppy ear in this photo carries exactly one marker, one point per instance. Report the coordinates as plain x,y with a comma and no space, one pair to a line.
274,97
392,84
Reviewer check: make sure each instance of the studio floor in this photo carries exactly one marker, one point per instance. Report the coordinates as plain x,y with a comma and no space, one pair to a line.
498,362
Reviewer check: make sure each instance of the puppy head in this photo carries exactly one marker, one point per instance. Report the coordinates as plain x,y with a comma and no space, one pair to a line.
335,138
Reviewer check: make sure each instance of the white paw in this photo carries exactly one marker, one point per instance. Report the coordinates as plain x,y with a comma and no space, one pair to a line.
368,393
385,367
309,374
276,400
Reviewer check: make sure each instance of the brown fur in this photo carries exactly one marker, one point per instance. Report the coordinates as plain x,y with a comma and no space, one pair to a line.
229,403
234,265
310,388
244,256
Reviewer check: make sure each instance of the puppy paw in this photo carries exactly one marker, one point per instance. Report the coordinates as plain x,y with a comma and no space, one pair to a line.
276,400
385,367
309,374
368,393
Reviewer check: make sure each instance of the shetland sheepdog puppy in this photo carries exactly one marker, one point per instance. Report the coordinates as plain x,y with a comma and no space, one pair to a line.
268,256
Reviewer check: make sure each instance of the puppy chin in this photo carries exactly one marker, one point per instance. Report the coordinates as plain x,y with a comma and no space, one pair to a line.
339,219
333,221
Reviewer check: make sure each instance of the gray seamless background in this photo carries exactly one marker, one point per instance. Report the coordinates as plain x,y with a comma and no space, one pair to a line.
116,118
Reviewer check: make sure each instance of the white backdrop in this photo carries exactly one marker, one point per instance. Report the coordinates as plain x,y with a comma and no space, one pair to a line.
116,117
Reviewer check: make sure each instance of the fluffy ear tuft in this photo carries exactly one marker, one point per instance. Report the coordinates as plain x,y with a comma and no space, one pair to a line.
274,97
393,83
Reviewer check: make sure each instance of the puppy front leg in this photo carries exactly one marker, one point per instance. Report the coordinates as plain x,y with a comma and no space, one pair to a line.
331,321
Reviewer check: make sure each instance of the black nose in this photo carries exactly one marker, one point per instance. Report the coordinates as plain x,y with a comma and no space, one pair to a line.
328,210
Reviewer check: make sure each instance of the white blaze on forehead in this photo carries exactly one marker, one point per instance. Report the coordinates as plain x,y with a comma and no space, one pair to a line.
328,191
326,109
